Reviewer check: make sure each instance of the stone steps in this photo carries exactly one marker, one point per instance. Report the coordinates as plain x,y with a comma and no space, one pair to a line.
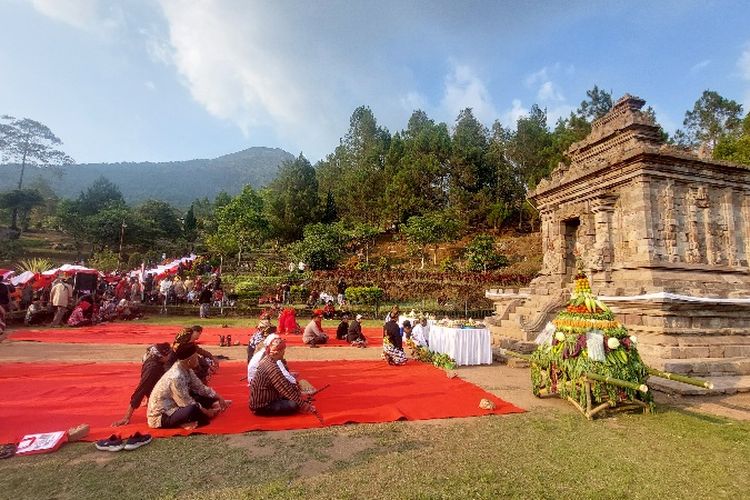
731,384
703,367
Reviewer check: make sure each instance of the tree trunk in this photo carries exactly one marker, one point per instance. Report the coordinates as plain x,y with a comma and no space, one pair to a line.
14,219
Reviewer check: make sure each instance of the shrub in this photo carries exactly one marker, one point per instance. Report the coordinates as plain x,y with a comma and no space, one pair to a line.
105,261
247,289
364,294
10,249
299,294
481,254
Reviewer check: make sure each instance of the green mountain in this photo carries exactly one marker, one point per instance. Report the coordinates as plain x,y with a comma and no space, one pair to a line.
176,182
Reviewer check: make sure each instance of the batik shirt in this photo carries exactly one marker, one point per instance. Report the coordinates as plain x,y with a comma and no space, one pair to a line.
172,391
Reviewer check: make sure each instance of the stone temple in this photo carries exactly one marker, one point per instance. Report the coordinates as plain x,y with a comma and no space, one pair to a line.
665,240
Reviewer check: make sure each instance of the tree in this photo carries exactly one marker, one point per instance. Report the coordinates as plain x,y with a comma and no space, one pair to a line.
190,226
598,104
71,221
736,149
101,193
431,229
363,236
21,202
241,225
292,199
320,247
355,171
530,147
157,220
712,118
481,254
467,171
28,143
416,169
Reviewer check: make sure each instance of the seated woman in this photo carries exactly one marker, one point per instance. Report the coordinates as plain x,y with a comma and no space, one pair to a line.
288,321
329,311
81,315
393,350
262,332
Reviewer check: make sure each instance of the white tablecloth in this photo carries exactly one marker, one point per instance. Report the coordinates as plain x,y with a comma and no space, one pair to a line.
469,346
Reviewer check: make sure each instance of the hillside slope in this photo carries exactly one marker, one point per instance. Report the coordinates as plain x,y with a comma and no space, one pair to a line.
176,182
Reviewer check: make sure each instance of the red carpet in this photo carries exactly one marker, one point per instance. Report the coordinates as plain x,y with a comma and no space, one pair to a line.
138,333
45,397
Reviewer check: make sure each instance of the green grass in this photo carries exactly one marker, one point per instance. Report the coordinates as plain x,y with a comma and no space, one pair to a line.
667,455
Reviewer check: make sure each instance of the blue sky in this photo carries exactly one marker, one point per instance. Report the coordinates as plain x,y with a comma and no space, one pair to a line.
163,80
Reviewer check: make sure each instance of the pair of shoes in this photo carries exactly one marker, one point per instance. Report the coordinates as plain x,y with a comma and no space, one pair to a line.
314,346
116,443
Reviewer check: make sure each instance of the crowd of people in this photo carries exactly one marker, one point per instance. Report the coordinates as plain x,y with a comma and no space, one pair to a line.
176,377
72,301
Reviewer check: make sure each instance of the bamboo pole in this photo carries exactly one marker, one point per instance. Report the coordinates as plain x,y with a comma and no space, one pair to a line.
617,382
514,354
681,378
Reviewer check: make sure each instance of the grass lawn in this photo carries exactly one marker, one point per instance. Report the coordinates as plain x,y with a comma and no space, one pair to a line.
671,454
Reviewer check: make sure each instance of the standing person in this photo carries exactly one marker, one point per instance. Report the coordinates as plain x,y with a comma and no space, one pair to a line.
61,297
313,334
204,299
171,403
271,392
393,350
341,291
5,290
354,336
164,289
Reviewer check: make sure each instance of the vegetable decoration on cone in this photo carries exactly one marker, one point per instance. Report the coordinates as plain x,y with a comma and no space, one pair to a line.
587,357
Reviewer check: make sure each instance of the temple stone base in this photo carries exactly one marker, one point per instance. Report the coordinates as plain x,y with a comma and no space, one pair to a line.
664,237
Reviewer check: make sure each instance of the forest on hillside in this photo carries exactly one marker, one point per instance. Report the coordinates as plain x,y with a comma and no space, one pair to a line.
427,184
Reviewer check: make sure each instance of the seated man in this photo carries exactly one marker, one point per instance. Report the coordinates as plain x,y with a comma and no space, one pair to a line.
313,334
260,352
271,392
151,371
171,403
354,336
343,327
420,334
207,362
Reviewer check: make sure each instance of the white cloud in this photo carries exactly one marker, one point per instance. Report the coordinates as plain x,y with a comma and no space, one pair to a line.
549,91
511,116
743,63
700,66
464,89
149,85
89,15
413,101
